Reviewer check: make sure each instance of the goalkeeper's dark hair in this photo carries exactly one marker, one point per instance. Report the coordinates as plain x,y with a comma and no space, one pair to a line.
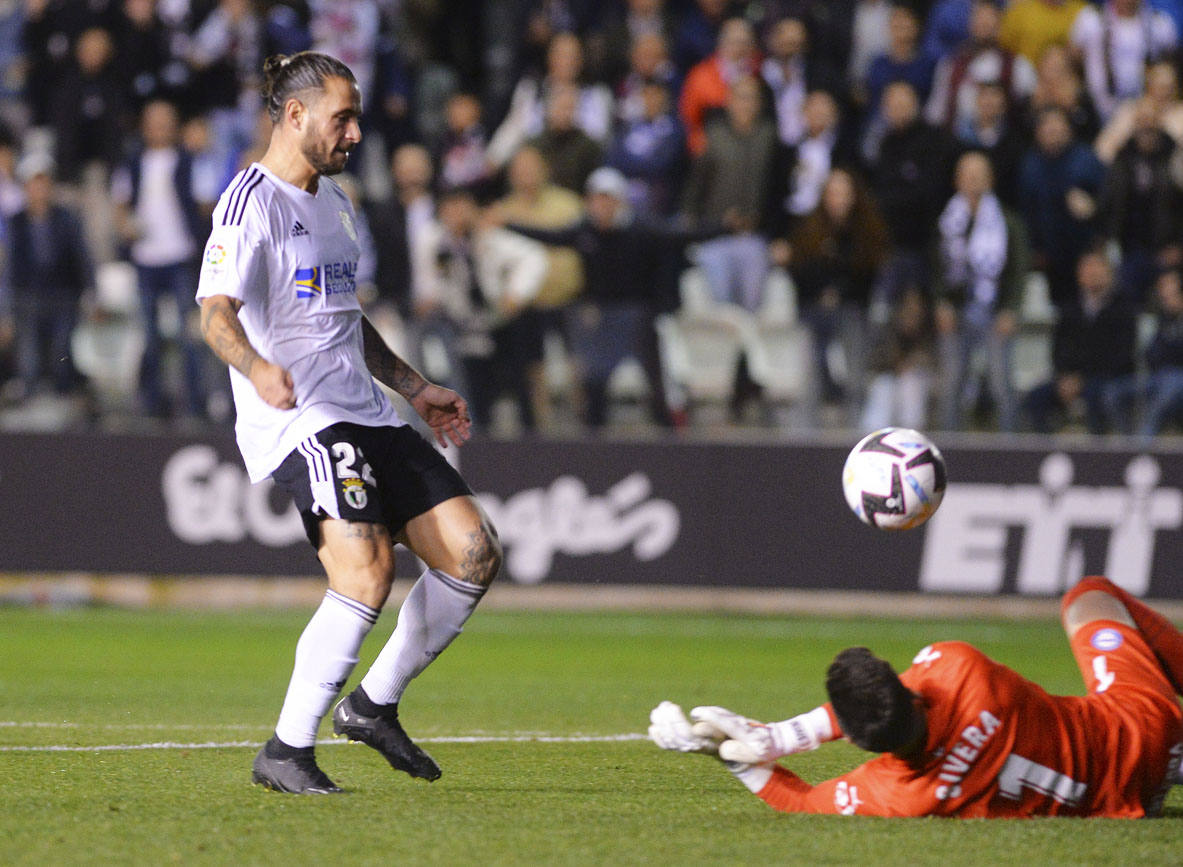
284,76
874,708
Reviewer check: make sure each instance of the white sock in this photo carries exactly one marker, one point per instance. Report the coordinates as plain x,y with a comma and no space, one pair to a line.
325,656
431,616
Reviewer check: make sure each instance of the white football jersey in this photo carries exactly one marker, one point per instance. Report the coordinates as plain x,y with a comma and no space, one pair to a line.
291,257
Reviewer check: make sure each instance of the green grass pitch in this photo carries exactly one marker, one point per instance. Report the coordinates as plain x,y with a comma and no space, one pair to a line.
90,683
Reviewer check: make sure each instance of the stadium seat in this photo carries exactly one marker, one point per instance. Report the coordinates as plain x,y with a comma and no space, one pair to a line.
779,305
107,352
117,289
701,349
779,360
1031,356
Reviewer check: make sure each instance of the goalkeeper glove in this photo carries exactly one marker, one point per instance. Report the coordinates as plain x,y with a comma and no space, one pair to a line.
752,742
670,730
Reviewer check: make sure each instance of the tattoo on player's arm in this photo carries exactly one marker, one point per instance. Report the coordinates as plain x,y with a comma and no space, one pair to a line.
223,332
387,367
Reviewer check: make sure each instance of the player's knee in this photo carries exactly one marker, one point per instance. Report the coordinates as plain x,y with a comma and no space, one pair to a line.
1092,604
483,556
1093,583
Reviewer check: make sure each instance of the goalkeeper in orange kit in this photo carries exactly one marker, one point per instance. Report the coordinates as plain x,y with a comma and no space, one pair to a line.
961,735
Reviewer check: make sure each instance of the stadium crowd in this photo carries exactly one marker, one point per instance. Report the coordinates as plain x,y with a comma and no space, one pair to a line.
967,214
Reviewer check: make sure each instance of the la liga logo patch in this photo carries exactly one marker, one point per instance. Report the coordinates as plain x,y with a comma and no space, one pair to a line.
215,254
1106,639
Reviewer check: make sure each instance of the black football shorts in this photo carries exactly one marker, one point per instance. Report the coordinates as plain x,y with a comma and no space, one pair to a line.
383,475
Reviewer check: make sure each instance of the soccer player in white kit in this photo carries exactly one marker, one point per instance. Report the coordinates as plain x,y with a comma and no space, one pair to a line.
278,305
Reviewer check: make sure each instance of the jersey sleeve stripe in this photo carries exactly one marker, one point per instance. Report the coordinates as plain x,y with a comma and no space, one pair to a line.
243,179
240,208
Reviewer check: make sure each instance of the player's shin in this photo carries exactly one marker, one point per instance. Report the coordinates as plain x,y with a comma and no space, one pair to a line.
325,656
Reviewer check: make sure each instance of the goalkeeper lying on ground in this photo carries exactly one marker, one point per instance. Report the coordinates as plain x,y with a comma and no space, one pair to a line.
962,735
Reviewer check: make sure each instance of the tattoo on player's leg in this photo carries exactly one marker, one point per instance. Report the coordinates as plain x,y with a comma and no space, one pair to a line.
482,558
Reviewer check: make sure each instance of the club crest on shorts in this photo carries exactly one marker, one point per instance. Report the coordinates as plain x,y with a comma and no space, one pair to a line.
354,492
1106,639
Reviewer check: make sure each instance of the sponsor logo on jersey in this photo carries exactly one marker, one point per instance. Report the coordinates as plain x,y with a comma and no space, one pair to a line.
298,230
335,278
1106,639
308,283
215,254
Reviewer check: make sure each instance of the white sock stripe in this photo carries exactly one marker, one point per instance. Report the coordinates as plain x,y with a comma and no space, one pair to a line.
365,612
458,585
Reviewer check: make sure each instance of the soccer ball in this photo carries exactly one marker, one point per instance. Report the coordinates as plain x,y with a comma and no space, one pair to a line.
894,478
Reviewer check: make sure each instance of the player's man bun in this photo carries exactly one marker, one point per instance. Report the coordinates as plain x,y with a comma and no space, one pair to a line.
874,708
285,75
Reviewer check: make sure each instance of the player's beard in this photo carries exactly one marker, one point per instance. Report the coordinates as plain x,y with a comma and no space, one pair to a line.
325,160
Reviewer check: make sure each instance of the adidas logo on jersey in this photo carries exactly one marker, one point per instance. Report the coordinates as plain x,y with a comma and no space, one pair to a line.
298,230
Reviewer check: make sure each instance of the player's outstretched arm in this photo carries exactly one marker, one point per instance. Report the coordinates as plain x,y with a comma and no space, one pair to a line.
223,332
747,740
445,412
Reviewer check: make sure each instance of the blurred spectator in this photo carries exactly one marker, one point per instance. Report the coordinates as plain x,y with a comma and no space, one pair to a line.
1092,357
649,151
286,27
823,146
991,130
48,271
1029,27
697,34
211,171
791,76
349,31
226,55
1162,98
1164,358
709,83
88,111
911,177
397,223
142,44
472,283
903,60
834,257
983,262
977,60
570,152
901,365
462,159
1116,42
649,63
1058,181
1059,85
12,193
870,35
947,27
616,43
157,216
628,281
1139,206
534,202
531,106
734,181
14,66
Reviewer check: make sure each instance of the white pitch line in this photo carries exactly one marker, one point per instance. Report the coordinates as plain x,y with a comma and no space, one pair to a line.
218,745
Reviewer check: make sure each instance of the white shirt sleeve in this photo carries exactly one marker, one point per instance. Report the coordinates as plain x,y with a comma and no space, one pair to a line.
233,262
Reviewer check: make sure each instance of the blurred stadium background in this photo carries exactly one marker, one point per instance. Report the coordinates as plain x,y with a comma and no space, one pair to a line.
956,215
